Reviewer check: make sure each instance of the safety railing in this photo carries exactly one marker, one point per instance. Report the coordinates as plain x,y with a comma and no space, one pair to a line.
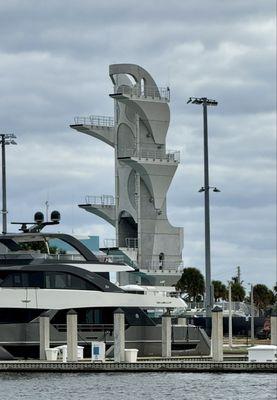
131,243
104,200
163,265
154,92
152,154
109,243
63,257
95,120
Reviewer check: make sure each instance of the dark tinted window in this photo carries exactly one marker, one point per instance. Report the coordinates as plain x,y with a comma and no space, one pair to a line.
48,280
62,280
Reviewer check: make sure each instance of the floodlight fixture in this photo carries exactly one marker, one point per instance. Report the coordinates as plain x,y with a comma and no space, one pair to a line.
203,189
202,100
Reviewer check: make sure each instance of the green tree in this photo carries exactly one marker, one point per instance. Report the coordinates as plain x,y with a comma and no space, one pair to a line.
263,297
220,290
192,283
238,292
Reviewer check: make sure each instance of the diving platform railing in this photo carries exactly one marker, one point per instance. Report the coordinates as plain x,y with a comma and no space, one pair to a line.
130,243
155,265
95,120
154,154
104,200
144,92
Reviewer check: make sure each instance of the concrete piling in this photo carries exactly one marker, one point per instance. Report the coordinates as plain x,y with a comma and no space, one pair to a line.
166,334
273,329
72,336
119,335
217,334
44,335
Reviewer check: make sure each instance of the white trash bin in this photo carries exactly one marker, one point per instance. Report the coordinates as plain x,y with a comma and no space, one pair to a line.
51,354
62,352
131,355
262,353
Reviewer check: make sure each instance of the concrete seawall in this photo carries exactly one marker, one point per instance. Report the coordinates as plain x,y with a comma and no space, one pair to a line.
145,366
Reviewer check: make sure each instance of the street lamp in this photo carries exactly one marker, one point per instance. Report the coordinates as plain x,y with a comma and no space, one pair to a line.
5,139
205,103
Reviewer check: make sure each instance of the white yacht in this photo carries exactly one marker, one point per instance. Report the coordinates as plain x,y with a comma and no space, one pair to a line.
33,282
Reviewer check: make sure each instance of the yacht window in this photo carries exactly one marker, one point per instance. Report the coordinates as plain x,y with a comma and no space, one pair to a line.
62,280
14,279
35,279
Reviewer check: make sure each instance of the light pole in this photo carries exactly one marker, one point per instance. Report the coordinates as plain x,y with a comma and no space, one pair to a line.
252,315
230,315
205,103
5,140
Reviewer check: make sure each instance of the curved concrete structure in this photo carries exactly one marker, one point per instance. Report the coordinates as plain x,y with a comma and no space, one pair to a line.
143,168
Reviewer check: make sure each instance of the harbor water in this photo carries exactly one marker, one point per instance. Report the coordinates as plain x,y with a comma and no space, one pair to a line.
138,386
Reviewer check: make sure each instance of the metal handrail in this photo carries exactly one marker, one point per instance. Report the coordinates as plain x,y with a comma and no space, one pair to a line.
131,243
104,200
95,120
171,155
163,265
154,92
108,243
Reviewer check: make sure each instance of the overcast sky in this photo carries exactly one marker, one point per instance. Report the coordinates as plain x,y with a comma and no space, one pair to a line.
54,60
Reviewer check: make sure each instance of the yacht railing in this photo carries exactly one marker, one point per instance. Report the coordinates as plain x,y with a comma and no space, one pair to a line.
171,155
110,243
63,257
237,307
154,92
95,120
104,200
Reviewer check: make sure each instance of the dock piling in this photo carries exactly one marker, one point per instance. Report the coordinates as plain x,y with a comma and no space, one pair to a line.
72,338
166,334
217,334
44,335
119,335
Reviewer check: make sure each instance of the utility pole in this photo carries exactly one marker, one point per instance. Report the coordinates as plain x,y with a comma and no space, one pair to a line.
5,139
205,103
239,275
252,316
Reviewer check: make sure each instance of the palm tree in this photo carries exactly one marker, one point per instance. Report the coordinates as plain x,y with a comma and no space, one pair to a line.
192,283
220,290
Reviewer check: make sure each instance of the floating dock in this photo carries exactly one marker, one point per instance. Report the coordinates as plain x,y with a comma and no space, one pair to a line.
140,366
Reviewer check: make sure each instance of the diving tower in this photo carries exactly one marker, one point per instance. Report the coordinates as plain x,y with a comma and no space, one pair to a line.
144,170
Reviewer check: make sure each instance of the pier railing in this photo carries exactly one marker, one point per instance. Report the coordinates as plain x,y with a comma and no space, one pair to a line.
95,120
